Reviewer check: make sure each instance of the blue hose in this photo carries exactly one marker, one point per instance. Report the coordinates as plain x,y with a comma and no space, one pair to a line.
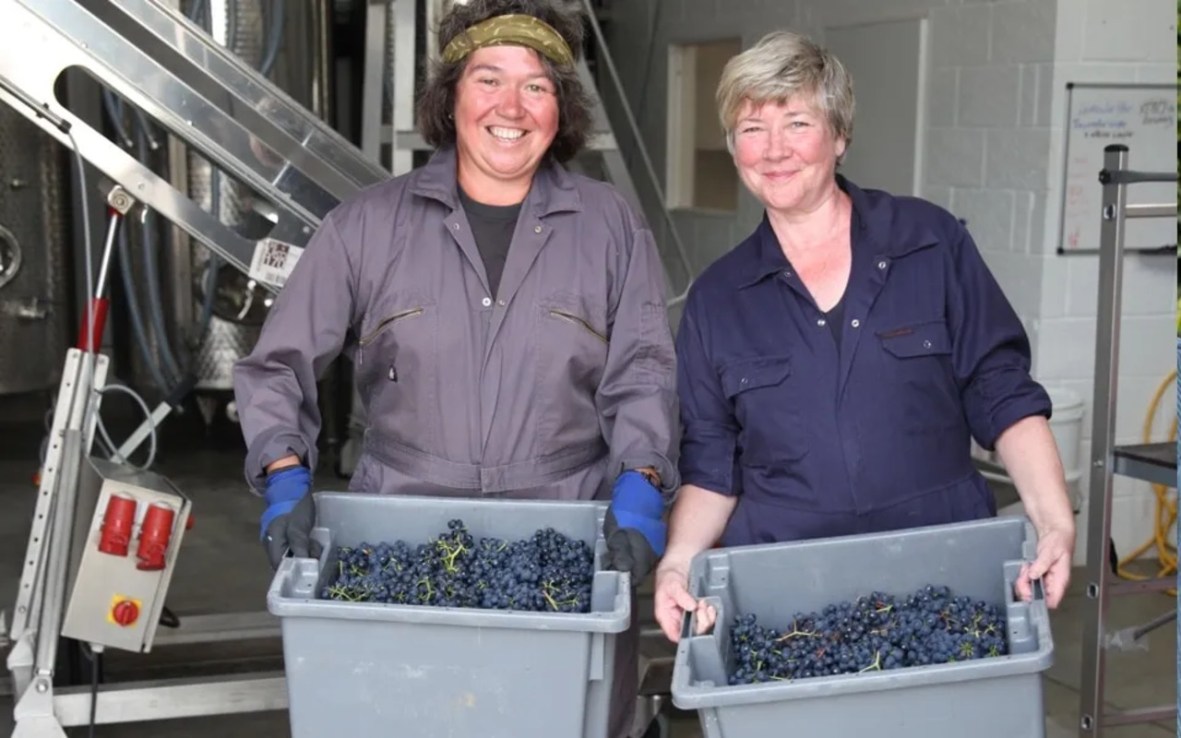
213,264
152,276
209,283
114,110
274,34
199,12
275,20
137,321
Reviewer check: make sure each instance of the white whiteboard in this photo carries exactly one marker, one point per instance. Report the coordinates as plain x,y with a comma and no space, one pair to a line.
1140,116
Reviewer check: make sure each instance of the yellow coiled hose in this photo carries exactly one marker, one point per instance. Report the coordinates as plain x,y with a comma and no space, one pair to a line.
1166,507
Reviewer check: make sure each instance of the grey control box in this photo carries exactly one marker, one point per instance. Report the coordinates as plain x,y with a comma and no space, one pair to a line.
131,523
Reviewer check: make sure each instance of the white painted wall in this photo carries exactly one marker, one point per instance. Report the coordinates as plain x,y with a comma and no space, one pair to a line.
1108,41
994,128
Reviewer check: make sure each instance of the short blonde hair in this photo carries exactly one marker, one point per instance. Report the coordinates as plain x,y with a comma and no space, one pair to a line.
780,66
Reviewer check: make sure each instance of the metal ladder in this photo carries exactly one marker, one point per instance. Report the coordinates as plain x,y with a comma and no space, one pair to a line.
1156,463
157,60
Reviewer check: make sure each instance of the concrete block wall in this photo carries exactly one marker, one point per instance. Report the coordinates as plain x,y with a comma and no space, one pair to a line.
995,117
1108,41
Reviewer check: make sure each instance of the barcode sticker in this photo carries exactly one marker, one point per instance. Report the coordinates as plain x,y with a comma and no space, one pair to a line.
274,261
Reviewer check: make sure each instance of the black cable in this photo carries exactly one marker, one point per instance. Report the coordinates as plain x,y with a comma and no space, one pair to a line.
93,695
168,618
95,669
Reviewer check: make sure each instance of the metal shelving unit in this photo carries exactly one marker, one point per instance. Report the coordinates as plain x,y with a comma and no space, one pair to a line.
1155,463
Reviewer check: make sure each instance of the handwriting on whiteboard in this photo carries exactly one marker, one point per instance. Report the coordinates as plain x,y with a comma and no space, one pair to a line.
1139,117
1114,119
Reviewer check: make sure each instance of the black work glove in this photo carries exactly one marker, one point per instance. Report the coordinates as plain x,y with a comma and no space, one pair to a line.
289,517
628,550
634,528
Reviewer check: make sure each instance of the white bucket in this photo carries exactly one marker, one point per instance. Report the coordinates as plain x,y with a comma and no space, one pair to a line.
1066,423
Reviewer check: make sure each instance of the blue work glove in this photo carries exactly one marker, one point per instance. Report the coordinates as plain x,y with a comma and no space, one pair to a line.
291,511
634,529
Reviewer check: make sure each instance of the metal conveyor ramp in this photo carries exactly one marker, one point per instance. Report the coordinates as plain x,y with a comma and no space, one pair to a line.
161,63
296,169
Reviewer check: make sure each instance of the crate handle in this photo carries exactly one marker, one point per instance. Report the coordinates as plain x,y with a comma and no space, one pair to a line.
1012,569
689,618
687,630
708,650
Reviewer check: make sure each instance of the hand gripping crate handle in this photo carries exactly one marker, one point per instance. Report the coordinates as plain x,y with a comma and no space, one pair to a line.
708,650
1039,593
690,617
1030,555
1027,621
1012,570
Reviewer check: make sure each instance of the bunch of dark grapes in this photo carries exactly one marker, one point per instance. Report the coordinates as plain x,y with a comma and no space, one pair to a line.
872,633
547,572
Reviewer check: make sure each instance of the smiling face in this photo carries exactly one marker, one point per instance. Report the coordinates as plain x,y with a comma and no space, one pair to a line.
506,117
786,153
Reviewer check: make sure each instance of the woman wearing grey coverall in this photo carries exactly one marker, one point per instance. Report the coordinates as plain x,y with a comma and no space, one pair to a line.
505,317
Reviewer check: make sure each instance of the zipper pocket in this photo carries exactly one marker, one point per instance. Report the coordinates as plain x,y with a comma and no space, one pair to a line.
368,339
571,318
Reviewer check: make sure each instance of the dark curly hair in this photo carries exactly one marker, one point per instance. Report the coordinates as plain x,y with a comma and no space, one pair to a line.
436,105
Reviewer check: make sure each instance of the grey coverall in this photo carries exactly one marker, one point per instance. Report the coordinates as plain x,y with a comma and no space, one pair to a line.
548,389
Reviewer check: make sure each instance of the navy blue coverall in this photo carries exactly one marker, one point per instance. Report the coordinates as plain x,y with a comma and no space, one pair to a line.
819,439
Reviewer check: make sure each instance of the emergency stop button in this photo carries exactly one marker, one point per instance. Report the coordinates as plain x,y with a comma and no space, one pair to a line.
125,612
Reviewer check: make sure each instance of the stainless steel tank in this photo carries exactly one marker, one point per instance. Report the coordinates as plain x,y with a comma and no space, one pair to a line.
34,246
231,333
240,307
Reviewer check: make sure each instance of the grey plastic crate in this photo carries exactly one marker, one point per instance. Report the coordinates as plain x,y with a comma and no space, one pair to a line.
372,669
1000,696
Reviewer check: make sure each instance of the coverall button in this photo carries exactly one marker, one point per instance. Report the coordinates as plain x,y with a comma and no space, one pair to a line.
486,301
882,264
855,323
821,322
537,229
926,344
455,226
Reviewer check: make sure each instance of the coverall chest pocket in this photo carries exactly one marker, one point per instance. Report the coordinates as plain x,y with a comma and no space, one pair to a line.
570,345
769,408
573,333
397,356
917,376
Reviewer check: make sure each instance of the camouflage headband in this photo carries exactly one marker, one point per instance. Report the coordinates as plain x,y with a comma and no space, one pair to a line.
513,29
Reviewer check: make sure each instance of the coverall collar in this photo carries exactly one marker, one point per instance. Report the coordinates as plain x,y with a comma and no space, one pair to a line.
553,188
872,219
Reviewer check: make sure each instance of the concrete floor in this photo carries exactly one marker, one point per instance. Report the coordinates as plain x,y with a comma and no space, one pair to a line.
222,570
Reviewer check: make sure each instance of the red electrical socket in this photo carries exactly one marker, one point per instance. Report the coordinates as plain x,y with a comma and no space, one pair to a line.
117,523
154,536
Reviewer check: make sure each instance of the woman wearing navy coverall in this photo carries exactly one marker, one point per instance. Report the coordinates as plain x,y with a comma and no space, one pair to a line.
834,366
505,317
